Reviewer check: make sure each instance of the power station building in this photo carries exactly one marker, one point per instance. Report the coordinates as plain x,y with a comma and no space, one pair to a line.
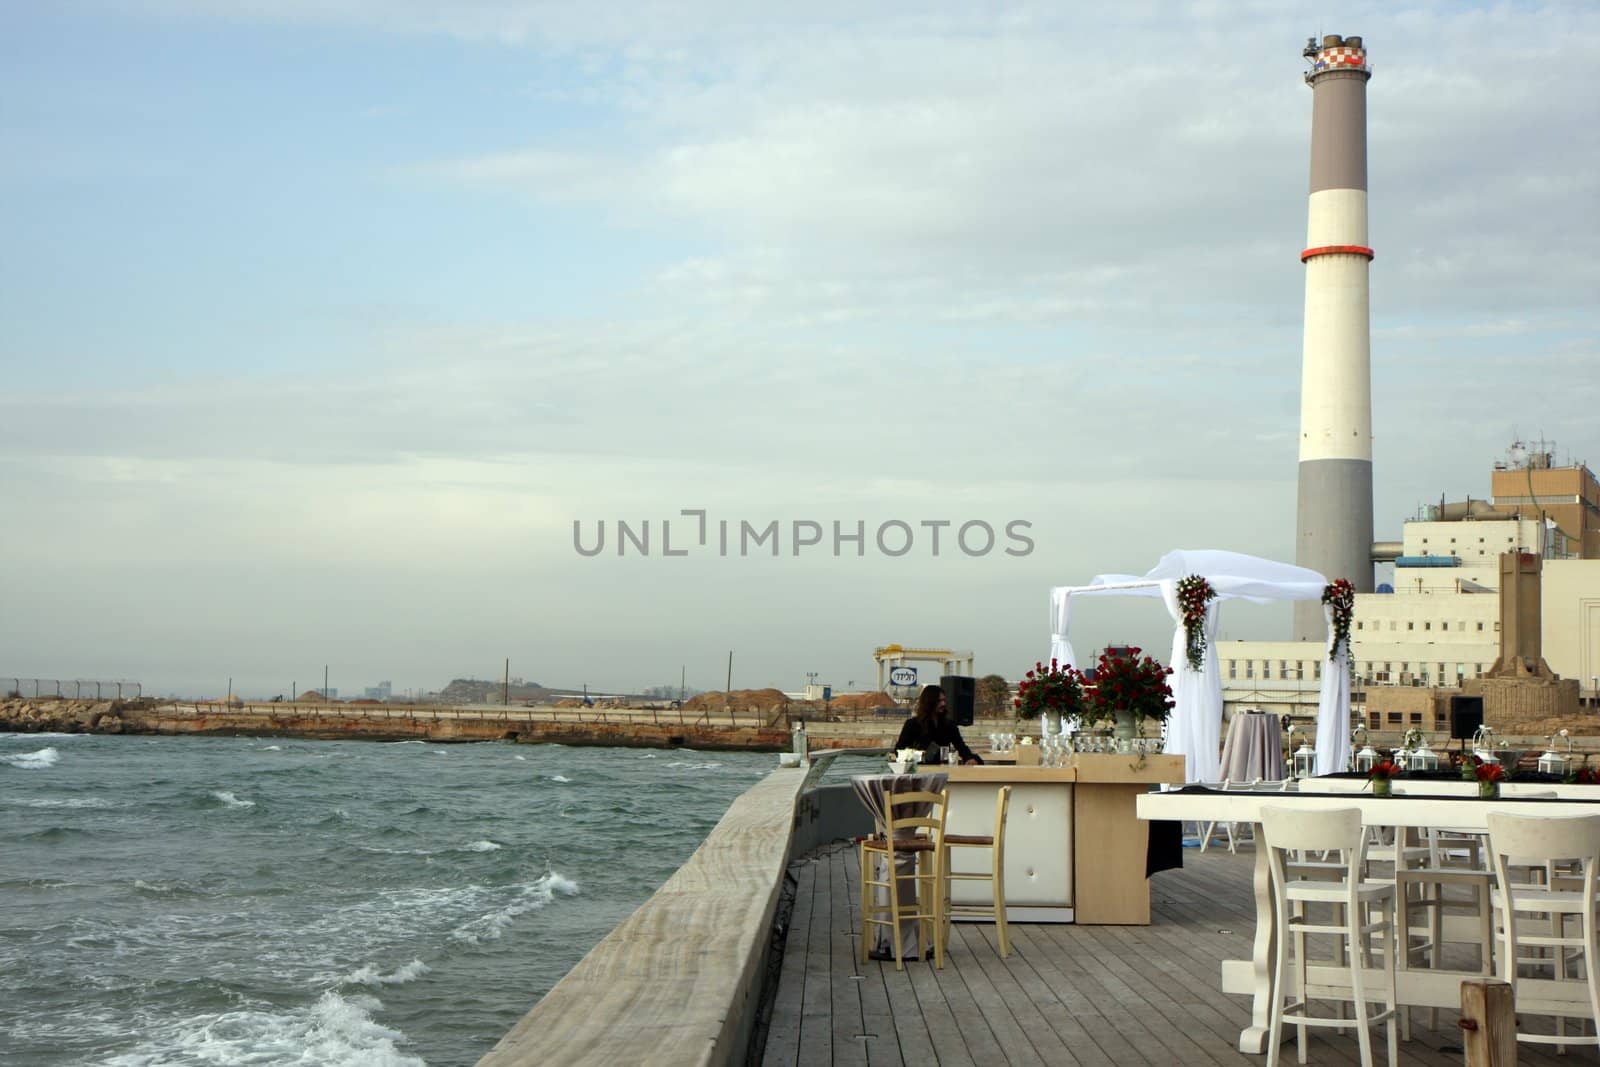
1438,624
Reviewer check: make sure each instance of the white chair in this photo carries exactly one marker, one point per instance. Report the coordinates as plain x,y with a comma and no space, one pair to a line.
995,845
1540,842
1289,831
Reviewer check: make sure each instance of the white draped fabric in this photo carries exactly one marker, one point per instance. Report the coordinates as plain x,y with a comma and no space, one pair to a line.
1333,709
1060,622
1195,727
1194,730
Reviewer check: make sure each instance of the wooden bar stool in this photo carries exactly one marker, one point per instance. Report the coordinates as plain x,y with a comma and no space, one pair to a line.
914,824
1286,831
995,845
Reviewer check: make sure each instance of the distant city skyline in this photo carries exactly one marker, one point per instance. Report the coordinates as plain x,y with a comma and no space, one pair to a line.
324,323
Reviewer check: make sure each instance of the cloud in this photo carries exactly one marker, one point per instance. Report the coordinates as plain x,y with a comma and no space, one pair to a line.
836,261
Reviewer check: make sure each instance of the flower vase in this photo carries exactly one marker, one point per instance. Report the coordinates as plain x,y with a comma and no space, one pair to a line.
1488,790
1127,726
1382,787
1050,724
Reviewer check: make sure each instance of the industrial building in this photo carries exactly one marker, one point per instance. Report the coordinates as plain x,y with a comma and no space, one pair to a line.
1438,624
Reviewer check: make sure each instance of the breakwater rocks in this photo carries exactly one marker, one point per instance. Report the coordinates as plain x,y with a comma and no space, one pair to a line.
60,716
729,731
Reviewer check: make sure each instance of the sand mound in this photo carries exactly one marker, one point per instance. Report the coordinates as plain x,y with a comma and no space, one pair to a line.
740,700
862,701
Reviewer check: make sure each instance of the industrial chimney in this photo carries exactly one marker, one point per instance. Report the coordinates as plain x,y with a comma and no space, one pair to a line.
1333,517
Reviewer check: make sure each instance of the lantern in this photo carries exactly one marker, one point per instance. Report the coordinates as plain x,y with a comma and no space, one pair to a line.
1552,763
1422,758
1305,761
1483,745
1366,759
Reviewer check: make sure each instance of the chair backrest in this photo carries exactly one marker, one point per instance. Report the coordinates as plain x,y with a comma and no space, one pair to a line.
1312,829
1002,804
914,811
1539,839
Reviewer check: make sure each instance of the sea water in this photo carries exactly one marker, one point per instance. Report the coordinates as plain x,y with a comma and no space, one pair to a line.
177,901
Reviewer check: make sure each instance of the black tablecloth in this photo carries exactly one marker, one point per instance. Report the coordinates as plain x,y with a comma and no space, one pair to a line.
1164,851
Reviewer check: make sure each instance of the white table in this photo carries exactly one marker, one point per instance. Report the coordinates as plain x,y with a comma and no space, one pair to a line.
1253,977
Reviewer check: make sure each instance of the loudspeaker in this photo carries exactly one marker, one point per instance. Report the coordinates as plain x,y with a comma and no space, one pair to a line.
1466,715
960,696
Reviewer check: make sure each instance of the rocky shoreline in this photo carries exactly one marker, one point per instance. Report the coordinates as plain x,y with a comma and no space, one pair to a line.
390,723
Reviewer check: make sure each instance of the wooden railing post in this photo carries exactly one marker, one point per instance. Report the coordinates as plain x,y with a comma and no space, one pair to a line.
1488,1023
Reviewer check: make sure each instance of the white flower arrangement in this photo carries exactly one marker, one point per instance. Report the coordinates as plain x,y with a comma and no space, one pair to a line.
908,757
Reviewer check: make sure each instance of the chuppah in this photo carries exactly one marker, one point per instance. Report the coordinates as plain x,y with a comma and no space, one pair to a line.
1192,584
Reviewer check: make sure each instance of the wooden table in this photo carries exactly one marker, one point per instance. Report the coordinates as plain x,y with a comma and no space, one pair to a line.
1253,977
1075,848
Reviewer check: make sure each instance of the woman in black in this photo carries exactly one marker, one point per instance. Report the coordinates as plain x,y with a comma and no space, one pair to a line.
931,726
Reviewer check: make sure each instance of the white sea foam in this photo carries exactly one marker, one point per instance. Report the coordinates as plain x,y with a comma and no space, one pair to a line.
230,800
36,760
559,778
481,846
530,897
647,755
273,748
371,975
709,765
64,802
524,758
25,738
333,1032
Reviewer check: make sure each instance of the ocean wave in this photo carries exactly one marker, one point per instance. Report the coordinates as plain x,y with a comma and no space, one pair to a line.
65,802
370,975
273,748
647,755
707,766
335,1031
160,889
53,833
531,897
230,800
524,758
36,760
25,738
481,846
559,778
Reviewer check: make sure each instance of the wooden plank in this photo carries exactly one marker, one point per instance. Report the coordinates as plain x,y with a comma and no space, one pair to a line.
1069,995
1034,1008
849,1042
1491,1039
1008,1033
783,1031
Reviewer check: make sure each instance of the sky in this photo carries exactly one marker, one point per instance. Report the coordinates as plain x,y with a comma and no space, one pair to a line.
331,331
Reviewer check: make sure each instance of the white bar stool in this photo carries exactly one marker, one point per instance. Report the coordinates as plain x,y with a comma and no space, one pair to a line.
1285,830
1539,841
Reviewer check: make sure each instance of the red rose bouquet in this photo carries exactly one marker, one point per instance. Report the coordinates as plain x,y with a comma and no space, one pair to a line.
1054,688
1194,594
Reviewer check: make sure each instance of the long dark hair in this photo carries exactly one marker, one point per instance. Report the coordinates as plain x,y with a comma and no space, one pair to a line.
928,702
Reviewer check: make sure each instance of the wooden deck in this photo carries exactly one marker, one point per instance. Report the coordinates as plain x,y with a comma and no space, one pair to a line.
1067,995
